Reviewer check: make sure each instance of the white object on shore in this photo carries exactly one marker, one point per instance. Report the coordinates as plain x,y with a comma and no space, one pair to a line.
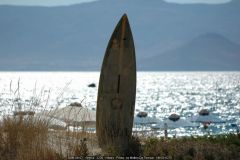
145,120
206,119
142,118
204,116
51,122
172,122
76,116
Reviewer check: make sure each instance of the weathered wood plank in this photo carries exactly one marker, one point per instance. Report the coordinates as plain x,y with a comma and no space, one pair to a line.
117,89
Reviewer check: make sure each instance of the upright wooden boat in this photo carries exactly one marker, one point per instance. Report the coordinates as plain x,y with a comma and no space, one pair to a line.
117,89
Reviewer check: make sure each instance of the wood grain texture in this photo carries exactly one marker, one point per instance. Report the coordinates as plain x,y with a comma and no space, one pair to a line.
117,89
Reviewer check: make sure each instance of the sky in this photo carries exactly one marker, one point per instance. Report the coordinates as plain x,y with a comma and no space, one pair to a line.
199,1
70,2
43,2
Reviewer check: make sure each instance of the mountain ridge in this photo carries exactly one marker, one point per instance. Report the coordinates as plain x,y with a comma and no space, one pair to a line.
75,37
198,48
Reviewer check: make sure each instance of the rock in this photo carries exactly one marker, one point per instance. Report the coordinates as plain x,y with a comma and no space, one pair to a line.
142,114
174,117
204,112
92,85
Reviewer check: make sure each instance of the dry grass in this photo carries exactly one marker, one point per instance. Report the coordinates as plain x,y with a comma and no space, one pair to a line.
23,139
25,136
221,147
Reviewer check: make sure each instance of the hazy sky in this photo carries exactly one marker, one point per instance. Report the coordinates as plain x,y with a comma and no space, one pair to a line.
43,2
199,1
69,2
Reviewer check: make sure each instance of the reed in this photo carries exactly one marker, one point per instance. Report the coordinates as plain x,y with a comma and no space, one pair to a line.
25,135
25,139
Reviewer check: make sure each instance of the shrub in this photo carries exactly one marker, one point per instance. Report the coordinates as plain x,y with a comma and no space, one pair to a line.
81,149
214,147
25,139
135,147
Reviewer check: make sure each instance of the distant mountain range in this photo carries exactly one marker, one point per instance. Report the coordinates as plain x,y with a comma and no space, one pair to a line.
168,36
206,52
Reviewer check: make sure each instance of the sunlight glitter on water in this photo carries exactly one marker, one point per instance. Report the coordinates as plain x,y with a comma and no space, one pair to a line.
158,93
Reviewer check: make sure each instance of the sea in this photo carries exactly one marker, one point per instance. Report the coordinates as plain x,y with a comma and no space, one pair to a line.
158,93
